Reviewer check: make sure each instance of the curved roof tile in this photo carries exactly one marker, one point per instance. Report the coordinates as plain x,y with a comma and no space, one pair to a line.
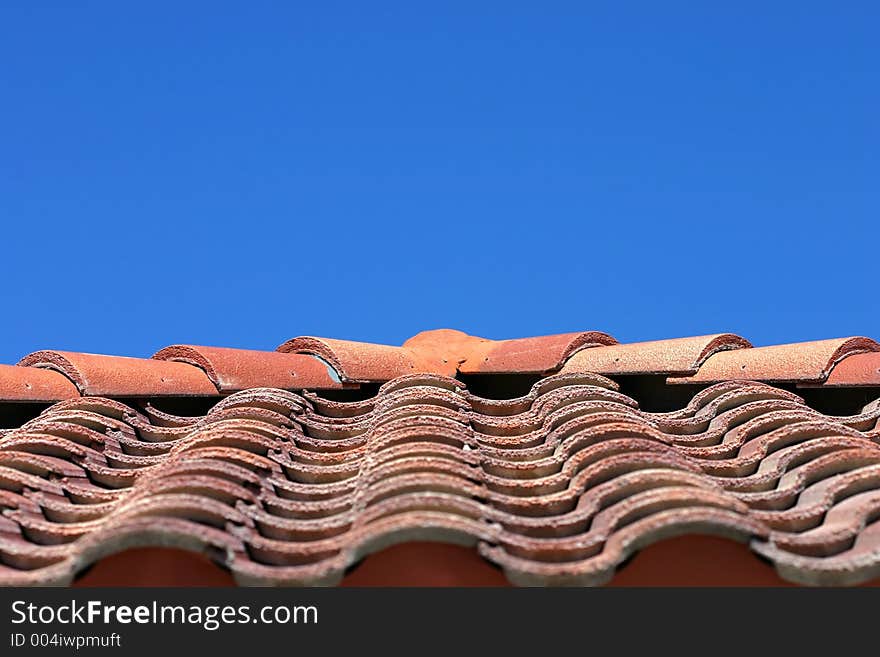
442,351
675,356
232,370
530,355
32,384
857,370
799,362
561,487
118,376
355,361
323,363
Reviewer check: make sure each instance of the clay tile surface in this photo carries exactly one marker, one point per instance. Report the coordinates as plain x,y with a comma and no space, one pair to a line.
562,483
446,352
857,370
31,384
232,370
118,376
675,356
529,355
442,351
355,361
561,486
800,362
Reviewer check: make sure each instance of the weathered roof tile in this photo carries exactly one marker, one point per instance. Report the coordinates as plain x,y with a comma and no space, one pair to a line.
675,356
232,370
118,376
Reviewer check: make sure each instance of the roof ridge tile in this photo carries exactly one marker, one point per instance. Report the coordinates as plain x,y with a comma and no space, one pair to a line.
797,362
29,384
232,370
671,356
122,376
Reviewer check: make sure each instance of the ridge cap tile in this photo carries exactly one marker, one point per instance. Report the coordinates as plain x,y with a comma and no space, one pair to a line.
669,356
807,362
533,355
356,362
446,351
308,362
855,370
232,370
123,376
30,384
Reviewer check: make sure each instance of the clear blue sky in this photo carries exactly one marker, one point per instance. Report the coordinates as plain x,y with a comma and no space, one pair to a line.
241,174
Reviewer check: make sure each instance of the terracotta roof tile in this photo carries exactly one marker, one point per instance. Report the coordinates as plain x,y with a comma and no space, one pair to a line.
355,361
317,363
558,486
30,384
804,361
445,351
675,356
118,376
561,486
857,370
529,355
232,370
442,351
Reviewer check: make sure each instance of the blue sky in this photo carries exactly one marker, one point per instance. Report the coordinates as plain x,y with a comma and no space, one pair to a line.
241,175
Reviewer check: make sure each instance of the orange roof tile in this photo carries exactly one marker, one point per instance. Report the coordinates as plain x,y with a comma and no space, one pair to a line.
675,356
529,355
322,363
804,361
232,370
118,376
856,370
355,361
31,384
559,487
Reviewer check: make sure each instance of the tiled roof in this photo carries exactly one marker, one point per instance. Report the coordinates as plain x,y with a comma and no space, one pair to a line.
315,455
